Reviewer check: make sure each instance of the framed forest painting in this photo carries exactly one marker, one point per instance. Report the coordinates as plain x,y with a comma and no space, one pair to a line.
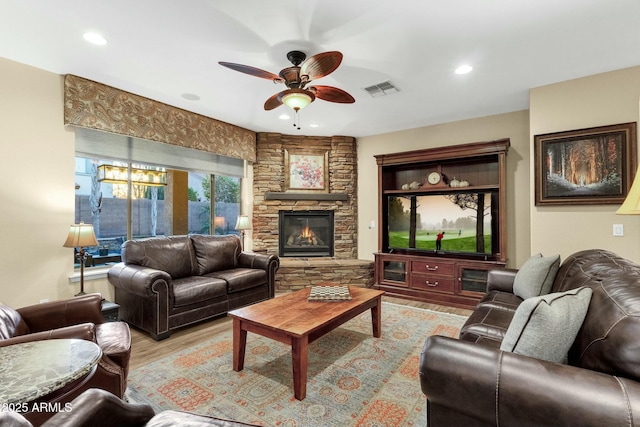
585,166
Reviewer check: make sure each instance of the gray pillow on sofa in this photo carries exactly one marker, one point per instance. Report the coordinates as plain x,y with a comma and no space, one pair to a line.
536,276
545,327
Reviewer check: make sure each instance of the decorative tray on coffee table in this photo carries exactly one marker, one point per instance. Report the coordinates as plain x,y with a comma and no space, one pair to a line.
329,293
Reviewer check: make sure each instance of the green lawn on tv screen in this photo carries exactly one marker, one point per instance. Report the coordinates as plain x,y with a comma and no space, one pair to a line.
454,240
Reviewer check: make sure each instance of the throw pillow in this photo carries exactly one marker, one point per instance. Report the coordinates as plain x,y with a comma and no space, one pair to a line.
545,327
536,276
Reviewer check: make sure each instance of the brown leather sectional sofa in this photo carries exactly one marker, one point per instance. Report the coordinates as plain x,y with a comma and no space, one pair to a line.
164,283
471,382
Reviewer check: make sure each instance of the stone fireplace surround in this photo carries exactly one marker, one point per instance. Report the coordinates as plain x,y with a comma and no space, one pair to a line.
271,196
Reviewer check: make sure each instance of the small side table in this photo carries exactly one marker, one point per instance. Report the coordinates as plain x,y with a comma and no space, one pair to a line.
110,311
32,370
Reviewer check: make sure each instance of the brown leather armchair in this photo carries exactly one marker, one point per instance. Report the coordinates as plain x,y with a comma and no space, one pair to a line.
80,318
96,408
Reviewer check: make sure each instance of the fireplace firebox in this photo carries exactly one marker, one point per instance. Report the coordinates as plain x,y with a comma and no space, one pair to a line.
305,233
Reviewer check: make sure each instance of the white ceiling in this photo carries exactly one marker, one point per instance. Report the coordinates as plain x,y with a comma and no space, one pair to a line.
162,49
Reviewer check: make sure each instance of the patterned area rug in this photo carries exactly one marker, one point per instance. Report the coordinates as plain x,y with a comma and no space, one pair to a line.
353,378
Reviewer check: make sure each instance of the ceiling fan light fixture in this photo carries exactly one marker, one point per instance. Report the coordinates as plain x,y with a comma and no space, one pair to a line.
464,69
297,99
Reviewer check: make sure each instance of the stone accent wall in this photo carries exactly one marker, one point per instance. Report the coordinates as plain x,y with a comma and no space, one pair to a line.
269,176
296,273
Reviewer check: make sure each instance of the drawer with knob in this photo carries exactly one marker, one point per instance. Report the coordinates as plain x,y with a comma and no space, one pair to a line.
432,283
434,267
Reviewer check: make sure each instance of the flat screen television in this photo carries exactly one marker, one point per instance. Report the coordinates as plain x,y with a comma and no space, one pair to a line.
458,223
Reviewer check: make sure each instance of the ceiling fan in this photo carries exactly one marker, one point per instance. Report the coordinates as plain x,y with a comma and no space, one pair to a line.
296,78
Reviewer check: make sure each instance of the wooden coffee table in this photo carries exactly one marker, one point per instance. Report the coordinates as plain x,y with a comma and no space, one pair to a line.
293,320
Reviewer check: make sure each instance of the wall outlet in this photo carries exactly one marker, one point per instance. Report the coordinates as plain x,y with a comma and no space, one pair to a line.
618,230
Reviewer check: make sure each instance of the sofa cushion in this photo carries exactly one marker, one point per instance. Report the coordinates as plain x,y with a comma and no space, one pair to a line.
239,279
536,276
215,253
545,327
190,290
172,254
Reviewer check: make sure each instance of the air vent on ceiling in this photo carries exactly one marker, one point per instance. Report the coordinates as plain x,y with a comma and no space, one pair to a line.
381,89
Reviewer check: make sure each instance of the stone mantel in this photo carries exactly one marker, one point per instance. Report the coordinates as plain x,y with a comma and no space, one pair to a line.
273,195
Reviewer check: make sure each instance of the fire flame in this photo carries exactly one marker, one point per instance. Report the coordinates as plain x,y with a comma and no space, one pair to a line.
306,232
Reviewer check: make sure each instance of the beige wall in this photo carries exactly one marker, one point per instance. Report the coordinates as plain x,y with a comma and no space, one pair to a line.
512,125
602,99
36,187
37,179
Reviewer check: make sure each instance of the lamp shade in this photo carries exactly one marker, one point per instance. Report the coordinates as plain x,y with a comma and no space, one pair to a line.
219,222
243,223
80,236
297,99
631,205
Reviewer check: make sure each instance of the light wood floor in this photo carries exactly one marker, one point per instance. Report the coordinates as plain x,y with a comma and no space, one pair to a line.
145,350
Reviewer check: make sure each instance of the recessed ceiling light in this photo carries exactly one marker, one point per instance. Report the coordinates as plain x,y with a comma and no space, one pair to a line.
190,96
95,38
284,117
464,69
314,125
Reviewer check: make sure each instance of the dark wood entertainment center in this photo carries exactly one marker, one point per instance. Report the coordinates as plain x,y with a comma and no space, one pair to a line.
444,277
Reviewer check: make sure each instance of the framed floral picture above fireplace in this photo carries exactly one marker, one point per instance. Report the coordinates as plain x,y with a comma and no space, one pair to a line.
306,171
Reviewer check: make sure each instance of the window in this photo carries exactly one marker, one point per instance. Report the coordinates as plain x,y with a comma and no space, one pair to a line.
226,203
117,216
106,205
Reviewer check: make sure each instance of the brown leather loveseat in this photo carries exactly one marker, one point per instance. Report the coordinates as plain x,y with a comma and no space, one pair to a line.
471,382
164,283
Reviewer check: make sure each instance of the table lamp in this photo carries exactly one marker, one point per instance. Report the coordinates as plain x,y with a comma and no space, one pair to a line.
631,205
80,236
242,224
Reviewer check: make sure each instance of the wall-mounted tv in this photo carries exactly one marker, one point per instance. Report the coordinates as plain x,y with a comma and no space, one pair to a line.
457,223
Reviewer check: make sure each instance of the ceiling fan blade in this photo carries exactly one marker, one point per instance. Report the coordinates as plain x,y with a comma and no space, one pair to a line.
273,102
332,94
321,64
252,71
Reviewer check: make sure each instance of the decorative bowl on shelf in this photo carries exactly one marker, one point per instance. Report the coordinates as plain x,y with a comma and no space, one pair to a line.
463,183
454,182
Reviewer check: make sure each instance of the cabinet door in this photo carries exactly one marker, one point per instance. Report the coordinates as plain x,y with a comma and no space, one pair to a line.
394,271
472,280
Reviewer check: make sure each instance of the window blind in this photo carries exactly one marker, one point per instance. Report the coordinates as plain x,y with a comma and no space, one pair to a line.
105,145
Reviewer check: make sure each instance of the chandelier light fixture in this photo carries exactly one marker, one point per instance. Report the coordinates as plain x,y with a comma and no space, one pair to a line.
120,175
